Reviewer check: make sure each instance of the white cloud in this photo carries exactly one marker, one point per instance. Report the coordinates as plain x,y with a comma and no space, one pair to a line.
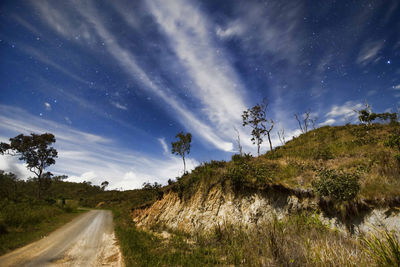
46,60
26,24
344,113
271,28
216,84
369,52
164,145
327,122
58,17
233,29
119,105
12,164
88,157
68,120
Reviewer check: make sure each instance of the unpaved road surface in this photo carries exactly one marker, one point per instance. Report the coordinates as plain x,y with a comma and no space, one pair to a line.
88,240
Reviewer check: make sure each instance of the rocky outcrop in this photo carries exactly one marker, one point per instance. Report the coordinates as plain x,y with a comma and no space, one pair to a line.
203,211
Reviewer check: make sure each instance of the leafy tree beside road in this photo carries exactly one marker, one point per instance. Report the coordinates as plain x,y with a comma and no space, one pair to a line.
36,151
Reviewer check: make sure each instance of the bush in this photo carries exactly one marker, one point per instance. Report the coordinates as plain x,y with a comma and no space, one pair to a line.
393,141
323,153
241,158
339,186
244,174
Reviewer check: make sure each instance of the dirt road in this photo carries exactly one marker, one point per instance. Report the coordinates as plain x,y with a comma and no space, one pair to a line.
88,240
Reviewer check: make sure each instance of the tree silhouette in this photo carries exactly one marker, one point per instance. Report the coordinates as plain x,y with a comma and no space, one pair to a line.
256,118
104,185
281,136
366,115
36,151
305,121
182,146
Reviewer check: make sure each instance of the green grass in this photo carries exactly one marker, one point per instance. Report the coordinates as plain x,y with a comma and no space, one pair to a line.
25,222
299,240
384,248
141,248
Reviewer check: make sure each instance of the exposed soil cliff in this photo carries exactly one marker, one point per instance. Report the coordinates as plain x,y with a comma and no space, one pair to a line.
203,211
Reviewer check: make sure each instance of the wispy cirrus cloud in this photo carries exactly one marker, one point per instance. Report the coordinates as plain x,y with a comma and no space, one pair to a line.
219,98
119,105
370,53
48,61
164,145
267,29
216,84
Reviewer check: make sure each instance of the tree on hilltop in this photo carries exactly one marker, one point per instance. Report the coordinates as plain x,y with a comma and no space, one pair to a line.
36,151
305,120
182,146
366,115
256,118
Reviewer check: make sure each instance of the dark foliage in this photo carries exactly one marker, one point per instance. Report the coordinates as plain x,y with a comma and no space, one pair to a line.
339,186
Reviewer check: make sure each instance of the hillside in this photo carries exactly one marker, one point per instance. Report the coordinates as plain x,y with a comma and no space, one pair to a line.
304,203
353,149
250,191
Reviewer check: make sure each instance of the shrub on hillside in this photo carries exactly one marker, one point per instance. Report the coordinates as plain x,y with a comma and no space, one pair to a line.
339,186
394,142
241,158
251,175
323,153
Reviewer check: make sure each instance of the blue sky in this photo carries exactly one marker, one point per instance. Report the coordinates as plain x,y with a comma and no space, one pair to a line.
116,80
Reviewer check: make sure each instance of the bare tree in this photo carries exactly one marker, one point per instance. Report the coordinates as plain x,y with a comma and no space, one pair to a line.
313,121
238,141
281,136
269,133
299,122
305,120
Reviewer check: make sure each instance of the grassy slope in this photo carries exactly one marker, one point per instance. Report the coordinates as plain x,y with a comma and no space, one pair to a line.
352,148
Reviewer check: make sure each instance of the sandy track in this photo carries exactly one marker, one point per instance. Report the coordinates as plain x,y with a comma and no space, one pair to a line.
88,240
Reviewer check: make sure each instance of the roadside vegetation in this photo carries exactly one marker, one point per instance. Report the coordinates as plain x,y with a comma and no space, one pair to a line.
297,240
24,218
